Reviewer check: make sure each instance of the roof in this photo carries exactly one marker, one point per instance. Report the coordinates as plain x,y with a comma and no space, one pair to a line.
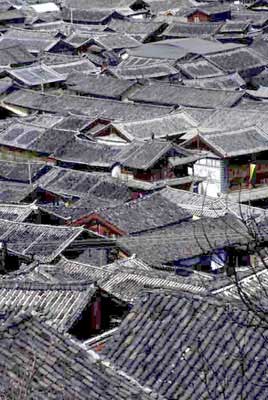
33,41
99,86
237,60
226,82
236,143
14,54
21,171
30,137
60,303
173,49
211,343
84,152
205,206
143,68
45,7
199,69
36,75
17,213
187,240
147,213
142,156
172,125
183,29
104,108
12,192
69,182
44,242
210,9
77,373
167,94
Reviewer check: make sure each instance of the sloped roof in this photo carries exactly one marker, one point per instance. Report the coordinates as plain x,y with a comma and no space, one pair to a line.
171,125
109,109
58,303
226,82
21,171
235,143
62,368
185,347
183,29
200,68
14,54
17,213
68,182
148,213
237,60
36,75
140,155
186,240
166,94
99,86
45,242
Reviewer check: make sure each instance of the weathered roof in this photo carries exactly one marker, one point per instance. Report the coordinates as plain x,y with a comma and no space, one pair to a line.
166,94
185,347
12,192
45,242
239,142
200,68
36,75
186,240
14,54
30,137
143,68
226,82
68,182
21,171
62,367
172,125
143,156
148,213
88,106
173,49
80,151
17,213
99,86
33,41
60,303
236,60
182,29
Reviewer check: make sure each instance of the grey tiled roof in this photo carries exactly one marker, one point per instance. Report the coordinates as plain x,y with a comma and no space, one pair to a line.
166,94
18,213
186,347
59,303
36,75
68,181
186,240
142,156
61,368
148,213
110,109
237,60
99,86
180,29
171,125
230,81
235,143
14,54
200,68
21,171
42,241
